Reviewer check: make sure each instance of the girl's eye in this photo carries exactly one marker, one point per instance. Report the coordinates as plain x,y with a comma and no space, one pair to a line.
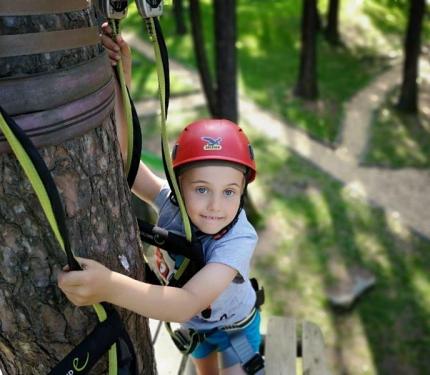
201,190
229,193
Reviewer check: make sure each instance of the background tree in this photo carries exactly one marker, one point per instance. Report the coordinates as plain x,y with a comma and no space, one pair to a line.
201,57
306,86
331,30
178,12
225,48
408,99
221,97
38,326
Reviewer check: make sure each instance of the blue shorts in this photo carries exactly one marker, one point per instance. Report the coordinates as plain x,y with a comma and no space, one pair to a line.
219,341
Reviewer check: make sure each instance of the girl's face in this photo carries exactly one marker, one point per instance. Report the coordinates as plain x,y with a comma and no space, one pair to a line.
212,195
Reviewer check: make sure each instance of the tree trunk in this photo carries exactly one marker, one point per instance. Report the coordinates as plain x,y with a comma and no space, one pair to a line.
306,86
178,11
332,29
408,99
201,58
225,48
38,326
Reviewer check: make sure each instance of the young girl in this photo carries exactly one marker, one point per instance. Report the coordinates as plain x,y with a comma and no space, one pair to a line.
213,161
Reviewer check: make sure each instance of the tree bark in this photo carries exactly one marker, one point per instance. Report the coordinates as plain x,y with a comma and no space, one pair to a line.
201,58
408,99
38,326
178,11
306,86
225,48
332,29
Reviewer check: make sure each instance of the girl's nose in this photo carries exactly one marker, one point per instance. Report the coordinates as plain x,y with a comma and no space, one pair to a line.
214,203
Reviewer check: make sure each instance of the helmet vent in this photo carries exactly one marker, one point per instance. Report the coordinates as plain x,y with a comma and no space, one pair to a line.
251,152
174,151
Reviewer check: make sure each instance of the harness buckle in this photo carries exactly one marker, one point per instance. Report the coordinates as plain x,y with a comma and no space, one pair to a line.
255,364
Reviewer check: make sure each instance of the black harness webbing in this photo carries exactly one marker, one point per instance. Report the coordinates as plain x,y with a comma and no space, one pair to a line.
85,355
137,144
107,333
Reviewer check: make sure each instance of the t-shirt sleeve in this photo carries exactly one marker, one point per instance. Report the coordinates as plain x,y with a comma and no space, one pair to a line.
235,250
162,197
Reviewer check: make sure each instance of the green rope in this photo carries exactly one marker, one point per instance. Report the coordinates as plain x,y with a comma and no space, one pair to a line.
125,101
166,148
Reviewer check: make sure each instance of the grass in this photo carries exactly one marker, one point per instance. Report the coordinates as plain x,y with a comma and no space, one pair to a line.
317,230
399,140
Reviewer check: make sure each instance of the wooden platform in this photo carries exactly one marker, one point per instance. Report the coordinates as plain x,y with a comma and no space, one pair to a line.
291,348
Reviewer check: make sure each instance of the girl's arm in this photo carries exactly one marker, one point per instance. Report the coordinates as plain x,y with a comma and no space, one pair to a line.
98,284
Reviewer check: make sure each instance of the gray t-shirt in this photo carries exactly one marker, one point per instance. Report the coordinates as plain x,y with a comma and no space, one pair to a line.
234,249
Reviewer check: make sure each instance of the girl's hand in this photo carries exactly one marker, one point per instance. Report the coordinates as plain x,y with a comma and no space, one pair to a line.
117,50
86,287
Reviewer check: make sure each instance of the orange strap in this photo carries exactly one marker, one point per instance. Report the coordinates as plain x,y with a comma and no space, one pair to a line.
33,43
35,7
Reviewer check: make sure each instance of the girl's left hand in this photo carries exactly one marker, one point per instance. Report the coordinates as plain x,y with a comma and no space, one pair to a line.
86,287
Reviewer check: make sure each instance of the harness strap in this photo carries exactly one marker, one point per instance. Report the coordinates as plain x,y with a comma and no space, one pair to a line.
161,59
251,362
49,41
83,357
171,242
36,7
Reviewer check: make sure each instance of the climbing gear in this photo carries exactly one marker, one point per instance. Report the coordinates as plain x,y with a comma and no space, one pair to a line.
210,139
121,353
186,340
48,118
240,349
150,8
113,9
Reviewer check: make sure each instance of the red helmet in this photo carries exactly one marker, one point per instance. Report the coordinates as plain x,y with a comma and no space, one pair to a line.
210,139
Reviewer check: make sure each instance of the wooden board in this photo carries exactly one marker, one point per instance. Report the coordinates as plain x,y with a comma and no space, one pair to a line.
281,346
313,350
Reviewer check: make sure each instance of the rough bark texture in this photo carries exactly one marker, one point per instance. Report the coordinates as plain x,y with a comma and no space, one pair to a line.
306,86
38,326
225,47
408,99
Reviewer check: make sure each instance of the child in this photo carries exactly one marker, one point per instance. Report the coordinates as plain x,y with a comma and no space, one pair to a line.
214,163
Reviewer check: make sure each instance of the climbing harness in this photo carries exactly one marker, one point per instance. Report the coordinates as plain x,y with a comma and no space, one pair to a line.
188,254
